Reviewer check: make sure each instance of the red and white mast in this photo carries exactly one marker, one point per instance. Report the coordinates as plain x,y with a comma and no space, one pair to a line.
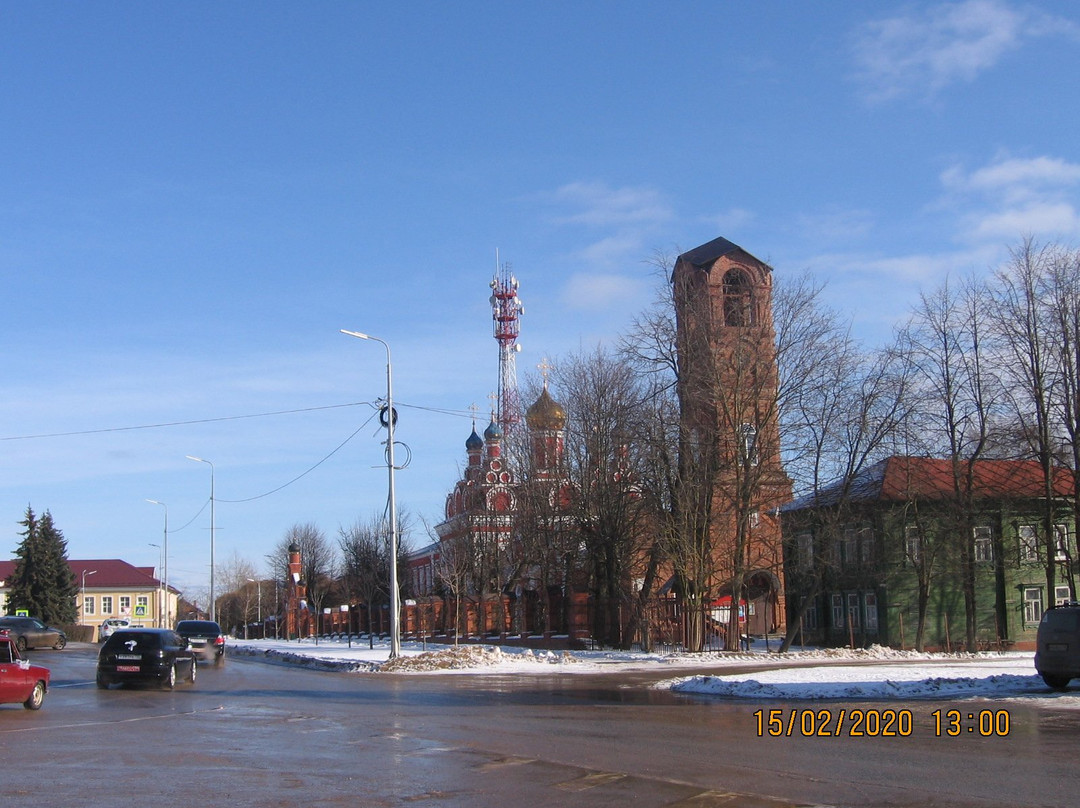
506,309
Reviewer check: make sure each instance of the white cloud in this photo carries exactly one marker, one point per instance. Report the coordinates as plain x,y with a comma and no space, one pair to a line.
917,268
600,291
1012,197
1014,176
612,251
1049,219
731,220
835,225
598,205
920,54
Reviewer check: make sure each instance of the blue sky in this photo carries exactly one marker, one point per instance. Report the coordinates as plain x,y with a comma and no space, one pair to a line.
195,198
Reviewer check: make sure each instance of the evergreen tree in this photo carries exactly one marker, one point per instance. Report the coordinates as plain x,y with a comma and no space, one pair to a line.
42,583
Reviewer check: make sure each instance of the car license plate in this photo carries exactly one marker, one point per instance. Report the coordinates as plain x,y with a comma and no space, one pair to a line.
135,657
1057,646
127,668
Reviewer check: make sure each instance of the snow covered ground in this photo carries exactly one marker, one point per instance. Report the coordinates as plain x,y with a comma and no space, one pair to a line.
871,675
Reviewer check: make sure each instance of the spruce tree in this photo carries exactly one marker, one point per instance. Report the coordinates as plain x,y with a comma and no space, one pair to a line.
42,582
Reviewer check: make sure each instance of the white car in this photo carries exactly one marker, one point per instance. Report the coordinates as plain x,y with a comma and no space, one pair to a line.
111,625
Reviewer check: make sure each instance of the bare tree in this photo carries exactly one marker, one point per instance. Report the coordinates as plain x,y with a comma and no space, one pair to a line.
317,558
453,570
841,410
365,567
237,607
605,408
1034,321
1063,298
958,396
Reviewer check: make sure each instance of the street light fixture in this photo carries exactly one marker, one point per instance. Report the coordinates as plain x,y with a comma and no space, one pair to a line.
82,608
395,633
213,601
164,607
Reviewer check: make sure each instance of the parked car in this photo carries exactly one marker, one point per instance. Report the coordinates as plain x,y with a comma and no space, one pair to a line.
20,682
206,638
154,655
111,625
1057,646
29,632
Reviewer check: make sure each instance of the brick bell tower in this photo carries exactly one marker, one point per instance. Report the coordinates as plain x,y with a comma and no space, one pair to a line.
731,445
297,616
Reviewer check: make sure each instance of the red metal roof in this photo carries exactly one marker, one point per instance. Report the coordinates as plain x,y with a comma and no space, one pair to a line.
111,573
901,479
932,478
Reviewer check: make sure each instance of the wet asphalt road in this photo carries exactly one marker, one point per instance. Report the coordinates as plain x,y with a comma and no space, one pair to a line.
257,734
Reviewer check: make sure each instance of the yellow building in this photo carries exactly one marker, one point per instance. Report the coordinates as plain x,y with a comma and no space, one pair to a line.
109,587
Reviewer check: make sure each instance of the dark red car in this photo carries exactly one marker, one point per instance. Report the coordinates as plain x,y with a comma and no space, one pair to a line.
20,682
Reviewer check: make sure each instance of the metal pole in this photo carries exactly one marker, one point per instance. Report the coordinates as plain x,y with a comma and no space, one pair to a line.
395,607
165,563
82,606
213,600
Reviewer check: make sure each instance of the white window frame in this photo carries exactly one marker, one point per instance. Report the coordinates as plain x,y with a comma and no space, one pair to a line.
866,546
983,536
1033,604
748,434
1061,534
125,605
1061,595
89,603
853,609
838,611
913,543
870,608
1028,538
106,604
810,618
804,549
849,547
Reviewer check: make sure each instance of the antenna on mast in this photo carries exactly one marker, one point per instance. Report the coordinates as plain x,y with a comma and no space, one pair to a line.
506,309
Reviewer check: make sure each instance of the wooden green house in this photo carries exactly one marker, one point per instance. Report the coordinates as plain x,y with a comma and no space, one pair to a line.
895,555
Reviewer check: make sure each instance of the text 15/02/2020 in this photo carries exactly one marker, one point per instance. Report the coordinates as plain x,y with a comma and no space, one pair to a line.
873,723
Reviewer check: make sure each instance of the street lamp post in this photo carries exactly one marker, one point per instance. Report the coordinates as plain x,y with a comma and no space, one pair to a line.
258,609
82,595
213,600
395,616
166,620
161,623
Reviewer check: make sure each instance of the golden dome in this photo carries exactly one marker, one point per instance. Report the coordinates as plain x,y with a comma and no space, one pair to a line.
545,413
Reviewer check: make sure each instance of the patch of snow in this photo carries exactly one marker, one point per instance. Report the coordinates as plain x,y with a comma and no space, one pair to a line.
870,674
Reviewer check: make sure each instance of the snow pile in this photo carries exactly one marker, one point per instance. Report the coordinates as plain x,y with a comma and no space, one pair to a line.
949,676
304,657
468,657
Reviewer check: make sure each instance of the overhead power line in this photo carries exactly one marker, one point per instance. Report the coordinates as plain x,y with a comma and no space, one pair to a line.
166,424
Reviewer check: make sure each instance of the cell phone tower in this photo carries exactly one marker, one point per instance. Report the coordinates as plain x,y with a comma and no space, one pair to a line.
506,309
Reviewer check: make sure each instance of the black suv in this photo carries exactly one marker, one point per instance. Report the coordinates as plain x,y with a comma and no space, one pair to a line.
206,638
1057,648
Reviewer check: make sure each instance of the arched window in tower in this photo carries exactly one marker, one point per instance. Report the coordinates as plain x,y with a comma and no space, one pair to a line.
749,448
738,299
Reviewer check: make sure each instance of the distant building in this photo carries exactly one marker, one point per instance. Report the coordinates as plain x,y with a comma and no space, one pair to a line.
484,524
112,588
863,553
